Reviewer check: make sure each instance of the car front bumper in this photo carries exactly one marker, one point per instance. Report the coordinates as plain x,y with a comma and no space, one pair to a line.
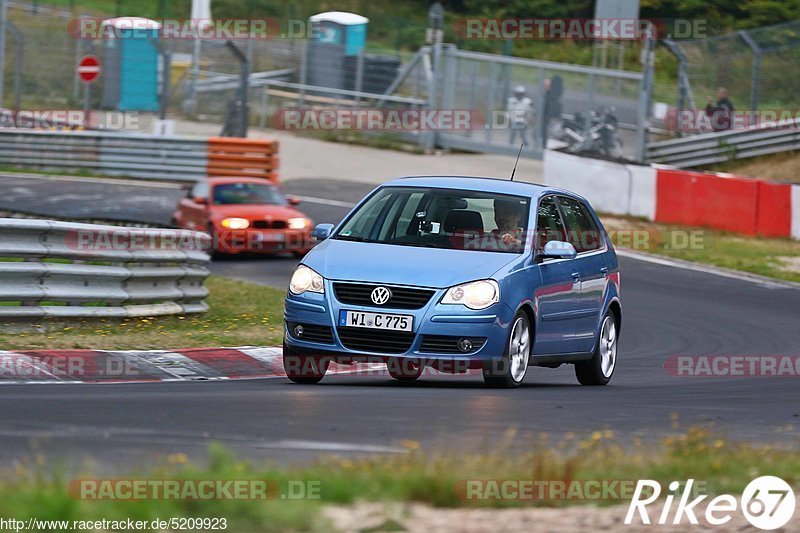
437,329
262,240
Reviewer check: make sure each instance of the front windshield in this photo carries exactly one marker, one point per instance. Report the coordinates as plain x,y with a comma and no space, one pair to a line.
247,193
441,218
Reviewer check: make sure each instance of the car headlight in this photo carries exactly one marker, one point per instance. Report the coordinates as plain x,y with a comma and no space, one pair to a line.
475,295
235,223
306,280
298,223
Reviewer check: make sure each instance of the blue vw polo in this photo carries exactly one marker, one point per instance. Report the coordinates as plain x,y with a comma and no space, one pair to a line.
457,273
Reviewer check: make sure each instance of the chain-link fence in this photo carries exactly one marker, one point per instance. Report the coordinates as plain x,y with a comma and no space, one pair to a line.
757,67
582,103
540,103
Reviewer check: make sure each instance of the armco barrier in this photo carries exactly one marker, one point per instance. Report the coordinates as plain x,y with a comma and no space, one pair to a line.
671,196
722,146
86,270
136,155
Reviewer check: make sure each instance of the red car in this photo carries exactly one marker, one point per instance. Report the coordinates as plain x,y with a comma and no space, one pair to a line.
245,215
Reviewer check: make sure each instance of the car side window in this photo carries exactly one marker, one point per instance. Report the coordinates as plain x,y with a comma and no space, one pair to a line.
549,226
582,231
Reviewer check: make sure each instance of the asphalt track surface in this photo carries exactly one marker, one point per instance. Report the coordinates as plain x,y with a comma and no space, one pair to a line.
667,311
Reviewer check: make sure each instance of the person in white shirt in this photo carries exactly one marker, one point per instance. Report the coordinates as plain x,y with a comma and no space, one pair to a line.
520,111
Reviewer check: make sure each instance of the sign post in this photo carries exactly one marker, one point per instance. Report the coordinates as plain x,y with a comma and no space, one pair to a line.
88,71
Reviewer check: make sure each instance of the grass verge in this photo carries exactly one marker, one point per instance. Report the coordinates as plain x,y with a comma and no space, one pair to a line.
414,476
242,314
775,258
782,167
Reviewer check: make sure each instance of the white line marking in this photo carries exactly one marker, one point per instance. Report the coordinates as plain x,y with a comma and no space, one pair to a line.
717,271
329,446
323,201
107,181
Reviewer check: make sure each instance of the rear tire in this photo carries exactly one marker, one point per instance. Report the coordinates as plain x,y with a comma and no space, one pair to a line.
600,368
509,371
304,369
404,369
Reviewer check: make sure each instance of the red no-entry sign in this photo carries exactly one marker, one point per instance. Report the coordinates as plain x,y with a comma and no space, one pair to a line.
89,69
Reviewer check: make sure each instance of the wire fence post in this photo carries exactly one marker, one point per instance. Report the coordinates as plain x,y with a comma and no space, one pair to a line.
755,79
3,20
645,95
244,85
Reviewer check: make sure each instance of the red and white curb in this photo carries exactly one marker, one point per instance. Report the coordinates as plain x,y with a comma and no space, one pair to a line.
142,366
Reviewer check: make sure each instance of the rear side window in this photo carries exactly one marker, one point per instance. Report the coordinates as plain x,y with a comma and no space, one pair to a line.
549,226
582,231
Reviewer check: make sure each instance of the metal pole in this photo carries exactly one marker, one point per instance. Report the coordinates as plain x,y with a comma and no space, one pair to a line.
645,94
755,79
86,105
301,100
244,82
3,18
359,76
166,82
19,48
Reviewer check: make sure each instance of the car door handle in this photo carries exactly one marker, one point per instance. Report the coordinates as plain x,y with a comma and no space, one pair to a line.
604,270
576,276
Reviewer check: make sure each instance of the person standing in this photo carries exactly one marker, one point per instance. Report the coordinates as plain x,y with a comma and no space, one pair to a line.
520,109
721,113
553,107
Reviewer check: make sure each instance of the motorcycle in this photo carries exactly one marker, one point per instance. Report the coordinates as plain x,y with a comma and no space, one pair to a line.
598,136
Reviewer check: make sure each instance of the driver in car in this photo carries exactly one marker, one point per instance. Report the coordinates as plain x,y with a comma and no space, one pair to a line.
506,216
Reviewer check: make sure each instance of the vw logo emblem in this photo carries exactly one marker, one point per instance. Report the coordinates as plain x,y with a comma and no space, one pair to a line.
380,295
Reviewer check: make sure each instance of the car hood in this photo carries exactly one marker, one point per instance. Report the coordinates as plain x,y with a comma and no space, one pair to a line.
277,212
403,265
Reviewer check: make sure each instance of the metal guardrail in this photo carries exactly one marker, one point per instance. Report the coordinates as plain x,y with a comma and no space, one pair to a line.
113,154
59,270
719,147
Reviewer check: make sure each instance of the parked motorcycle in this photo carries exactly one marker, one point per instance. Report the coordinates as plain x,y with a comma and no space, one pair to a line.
597,135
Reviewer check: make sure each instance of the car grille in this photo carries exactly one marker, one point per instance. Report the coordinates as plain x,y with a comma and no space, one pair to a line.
375,340
270,224
402,297
312,333
448,344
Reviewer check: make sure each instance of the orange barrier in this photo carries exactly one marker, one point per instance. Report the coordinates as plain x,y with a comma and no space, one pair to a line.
246,158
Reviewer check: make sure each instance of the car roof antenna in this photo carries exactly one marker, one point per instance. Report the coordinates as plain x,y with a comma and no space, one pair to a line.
517,161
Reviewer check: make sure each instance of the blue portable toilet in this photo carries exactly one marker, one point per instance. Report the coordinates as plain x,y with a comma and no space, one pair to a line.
336,36
130,64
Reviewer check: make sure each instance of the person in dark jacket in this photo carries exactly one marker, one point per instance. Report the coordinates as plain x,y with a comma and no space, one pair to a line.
553,107
721,113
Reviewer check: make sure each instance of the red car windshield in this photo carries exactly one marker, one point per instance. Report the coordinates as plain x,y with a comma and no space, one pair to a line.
247,194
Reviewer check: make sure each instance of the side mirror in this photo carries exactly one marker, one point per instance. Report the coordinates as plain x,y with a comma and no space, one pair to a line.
293,200
558,250
322,232
200,200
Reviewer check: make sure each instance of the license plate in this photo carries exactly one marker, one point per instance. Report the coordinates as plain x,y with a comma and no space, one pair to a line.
362,319
270,237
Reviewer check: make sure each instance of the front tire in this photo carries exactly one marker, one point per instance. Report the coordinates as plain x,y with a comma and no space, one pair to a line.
304,369
509,371
600,368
